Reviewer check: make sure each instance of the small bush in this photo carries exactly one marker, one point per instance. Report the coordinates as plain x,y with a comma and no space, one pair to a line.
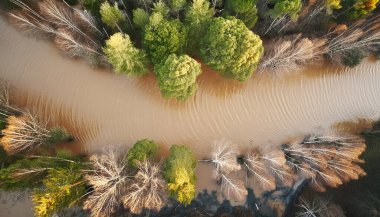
57,135
352,58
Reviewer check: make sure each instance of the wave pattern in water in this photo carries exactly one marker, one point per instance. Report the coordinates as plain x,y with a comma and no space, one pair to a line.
103,108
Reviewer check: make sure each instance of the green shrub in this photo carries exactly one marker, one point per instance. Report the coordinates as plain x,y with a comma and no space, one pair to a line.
57,135
112,16
177,5
141,150
231,48
124,57
163,37
177,76
356,9
352,58
179,173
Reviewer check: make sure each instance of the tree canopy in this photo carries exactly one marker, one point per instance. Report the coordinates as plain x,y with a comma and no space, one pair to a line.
142,150
179,173
239,6
177,76
163,37
231,48
356,9
124,57
111,15
285,7
140,18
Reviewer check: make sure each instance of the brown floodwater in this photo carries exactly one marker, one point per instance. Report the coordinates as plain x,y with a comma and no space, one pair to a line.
102,109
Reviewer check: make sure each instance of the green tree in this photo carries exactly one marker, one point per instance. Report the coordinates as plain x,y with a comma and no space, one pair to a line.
332,5
285,7
161,8
71,2
176,5
112,16
231,48
61,187
163,37
140,18
124,57
57,135
141,150
197,17
249,17
356,9
177,76
179,173
352,58
93,6
239,6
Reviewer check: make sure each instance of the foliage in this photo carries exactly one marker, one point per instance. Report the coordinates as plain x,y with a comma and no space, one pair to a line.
231,48
3,122
177,76
112,16
161,8
179,173
124,57
355,9
61,187
93,6
147,190
140,18
164,37
239,6
197,17
28,173
142,150
249,18
57,135
176,5
285,7
352,58
332,5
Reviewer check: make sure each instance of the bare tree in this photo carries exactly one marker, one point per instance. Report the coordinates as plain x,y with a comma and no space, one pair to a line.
291,54
232,188
328,160
318,207
260,173
23,132
147,190
71,28
109,180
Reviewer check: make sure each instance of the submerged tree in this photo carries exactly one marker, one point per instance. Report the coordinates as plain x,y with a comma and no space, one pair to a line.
177,76
224,157
147,190
231,48
179,173
124,57
141,151
25,132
